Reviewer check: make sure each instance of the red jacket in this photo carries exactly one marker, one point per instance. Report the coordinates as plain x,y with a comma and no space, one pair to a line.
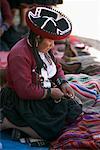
20,77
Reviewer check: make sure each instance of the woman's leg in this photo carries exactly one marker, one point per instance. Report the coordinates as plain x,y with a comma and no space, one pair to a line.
7,124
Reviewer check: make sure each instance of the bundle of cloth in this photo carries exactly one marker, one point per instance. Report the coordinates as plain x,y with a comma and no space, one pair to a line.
76,55
87,90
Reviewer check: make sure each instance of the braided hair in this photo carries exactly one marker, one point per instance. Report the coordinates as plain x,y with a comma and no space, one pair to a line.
32,39
40,64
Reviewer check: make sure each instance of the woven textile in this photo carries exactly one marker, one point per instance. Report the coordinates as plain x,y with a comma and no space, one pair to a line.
85,134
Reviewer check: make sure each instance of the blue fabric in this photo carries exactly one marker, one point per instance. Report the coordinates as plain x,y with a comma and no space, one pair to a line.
86,89
9,144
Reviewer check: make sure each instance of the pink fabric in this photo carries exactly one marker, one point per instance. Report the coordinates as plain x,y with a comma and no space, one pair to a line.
6,11
3,59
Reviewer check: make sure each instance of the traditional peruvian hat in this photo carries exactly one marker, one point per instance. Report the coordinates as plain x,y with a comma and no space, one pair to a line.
48,23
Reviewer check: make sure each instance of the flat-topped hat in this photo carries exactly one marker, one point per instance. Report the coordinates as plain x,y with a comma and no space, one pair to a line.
48,23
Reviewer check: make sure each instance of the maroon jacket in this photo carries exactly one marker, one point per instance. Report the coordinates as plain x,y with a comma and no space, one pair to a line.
20,77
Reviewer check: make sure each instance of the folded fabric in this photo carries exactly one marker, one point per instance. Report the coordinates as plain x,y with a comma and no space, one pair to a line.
90,82
85,92
88,97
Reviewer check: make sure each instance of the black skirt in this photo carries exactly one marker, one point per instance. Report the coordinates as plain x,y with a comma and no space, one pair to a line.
45,116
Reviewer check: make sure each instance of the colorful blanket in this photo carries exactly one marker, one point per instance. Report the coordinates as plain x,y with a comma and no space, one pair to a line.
84,134
87,89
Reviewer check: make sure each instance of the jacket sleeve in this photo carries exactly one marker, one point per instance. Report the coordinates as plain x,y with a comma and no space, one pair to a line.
21,75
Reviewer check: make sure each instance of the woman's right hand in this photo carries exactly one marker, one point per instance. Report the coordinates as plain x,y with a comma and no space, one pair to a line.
56,93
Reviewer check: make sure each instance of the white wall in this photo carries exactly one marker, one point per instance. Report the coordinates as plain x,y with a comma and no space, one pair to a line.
84,15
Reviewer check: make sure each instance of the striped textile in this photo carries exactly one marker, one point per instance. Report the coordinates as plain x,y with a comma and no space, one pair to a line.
87,89
85,92
86,96
83,135
90,82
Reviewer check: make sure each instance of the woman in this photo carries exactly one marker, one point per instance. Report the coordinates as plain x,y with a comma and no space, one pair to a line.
38,100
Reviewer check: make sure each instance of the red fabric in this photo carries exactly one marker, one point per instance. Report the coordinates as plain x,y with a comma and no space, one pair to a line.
73,39
6,11
20,77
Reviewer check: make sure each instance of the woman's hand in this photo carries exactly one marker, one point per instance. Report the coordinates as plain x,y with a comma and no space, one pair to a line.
56,93
67,90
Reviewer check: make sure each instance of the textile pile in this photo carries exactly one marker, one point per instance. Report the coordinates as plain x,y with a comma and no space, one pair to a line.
85,132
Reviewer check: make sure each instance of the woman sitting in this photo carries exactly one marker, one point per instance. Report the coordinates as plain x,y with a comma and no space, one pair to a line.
37,99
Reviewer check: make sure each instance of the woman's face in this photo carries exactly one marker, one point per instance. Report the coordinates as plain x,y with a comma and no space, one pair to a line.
45,45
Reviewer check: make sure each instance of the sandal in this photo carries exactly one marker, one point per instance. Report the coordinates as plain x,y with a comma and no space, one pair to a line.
24,138
37,142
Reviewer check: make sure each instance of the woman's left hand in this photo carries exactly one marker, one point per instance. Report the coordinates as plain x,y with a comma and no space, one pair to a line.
67,90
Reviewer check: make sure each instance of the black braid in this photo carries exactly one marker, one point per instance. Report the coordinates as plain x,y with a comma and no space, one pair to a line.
39,62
